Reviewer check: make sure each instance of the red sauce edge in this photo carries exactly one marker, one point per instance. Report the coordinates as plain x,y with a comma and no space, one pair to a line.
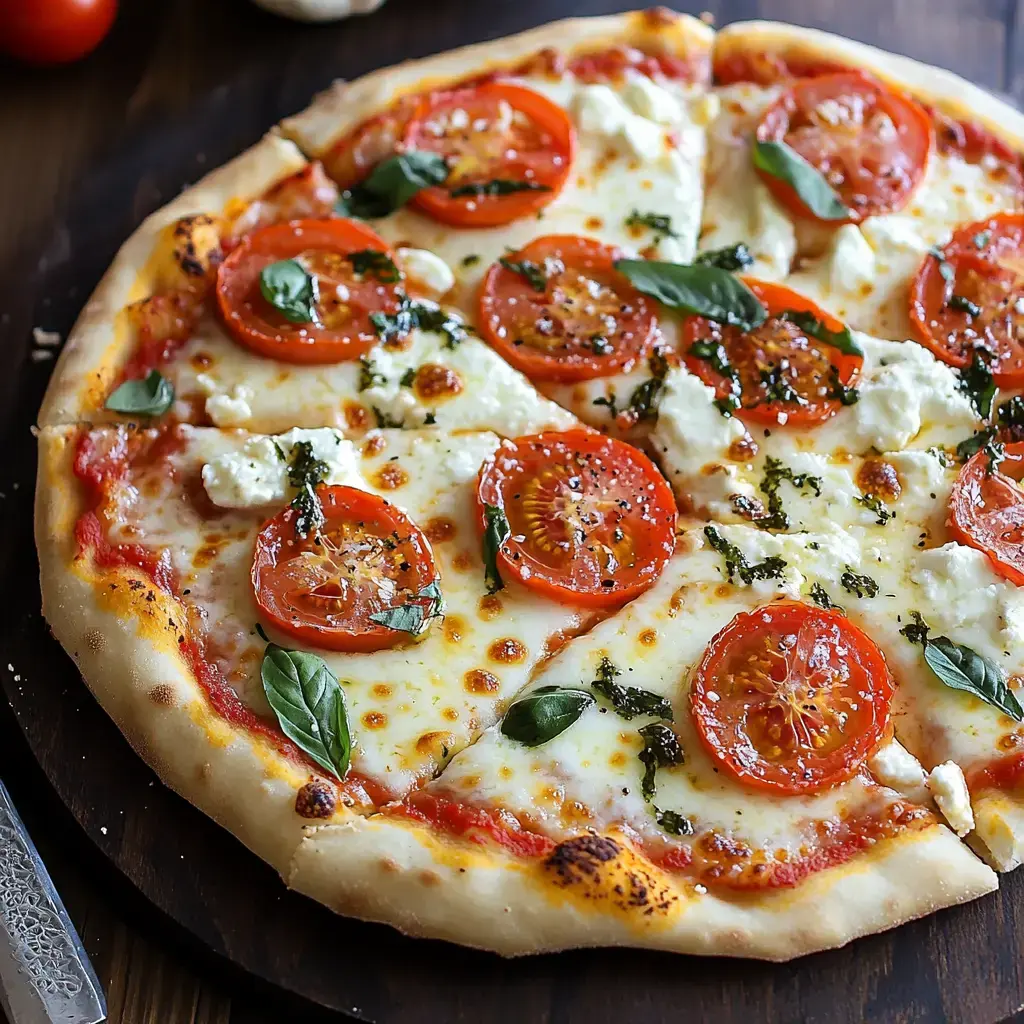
1002,773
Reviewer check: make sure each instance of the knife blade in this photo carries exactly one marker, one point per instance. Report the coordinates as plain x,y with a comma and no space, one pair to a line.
45,973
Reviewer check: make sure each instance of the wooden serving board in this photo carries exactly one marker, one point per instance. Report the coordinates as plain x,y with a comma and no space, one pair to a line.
965,964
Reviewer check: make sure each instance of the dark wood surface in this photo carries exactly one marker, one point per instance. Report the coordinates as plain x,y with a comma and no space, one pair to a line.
184,925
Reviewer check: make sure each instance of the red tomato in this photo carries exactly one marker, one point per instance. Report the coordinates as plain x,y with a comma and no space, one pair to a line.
871,143
491,134
791,698
986,509
343,330
54,31
585,320
776,359
592,520
322,589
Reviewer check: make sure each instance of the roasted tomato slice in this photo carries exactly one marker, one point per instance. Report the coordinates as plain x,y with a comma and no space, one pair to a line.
509,151
872,144
986,509
592,521
784,374
791,698
559,310
999,238
322,589
967,303
343,329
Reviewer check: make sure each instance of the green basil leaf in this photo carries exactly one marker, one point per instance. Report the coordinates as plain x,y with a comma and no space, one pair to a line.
496,187
977,383
674,822
629,701
531,272
811,325
392,183
377,263
963,669
291,290
785,163
705,291
540,716
731,257
310,706
151,395
414,616
496,532
662,749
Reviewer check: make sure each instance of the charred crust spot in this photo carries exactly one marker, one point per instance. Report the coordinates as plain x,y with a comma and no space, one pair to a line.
316,799
162,695
658,17
575,859
196,261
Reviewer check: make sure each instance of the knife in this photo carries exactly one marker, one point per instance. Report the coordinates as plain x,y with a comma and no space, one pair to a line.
45,973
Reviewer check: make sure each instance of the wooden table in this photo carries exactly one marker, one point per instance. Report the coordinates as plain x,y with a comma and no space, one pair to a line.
159,61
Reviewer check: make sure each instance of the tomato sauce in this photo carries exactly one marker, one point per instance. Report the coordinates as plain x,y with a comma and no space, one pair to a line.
1003,773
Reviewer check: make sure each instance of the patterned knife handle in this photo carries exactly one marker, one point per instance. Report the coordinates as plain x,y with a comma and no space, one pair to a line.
45,974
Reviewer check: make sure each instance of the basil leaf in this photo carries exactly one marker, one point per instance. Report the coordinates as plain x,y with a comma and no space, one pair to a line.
705,291
531,272
496,187
659,223
151,395
544,714
310,706
375,262
629,701
414,616
662,749
811,325
963,669
783,162
977,383
392,183
291,290
496,532
731,257
674,822
305,473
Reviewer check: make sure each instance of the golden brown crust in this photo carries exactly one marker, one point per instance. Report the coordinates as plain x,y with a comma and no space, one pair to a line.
99,343
344,105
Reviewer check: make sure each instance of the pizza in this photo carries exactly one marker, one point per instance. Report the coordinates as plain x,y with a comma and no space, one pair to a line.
567,491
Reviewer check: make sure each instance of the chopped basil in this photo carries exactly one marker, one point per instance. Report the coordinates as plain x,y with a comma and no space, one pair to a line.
643,402
731,257
964,305
783,162
471,260
392,183
819,595
151,395
369,375
977,383
659,223
715,355
629,701
855,583
528,270
390,327
291,290
544,714
945,267
415,615
812,326
408,378
942,455
306,472
916,631
996,452
375,262
838,390
777,387
705,291
673,822
386,420
736,563
876,505
309,704
662,749
774,474
610,402
496,532
496,187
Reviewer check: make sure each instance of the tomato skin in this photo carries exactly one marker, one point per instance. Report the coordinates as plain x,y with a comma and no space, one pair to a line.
986,510
54,31
509,307
738,716
545,153
338,620
869,194
254,323
570,498
776,299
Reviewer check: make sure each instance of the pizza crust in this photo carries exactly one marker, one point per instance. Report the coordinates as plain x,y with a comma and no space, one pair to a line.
99,342
943,89
125,645
344,105
381,869
999,829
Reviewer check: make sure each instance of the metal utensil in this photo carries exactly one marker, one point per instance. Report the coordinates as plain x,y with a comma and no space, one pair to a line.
45,974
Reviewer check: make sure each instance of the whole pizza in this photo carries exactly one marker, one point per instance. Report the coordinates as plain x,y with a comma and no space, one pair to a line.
566,491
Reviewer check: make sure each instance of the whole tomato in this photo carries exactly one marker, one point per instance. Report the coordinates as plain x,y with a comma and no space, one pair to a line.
53,31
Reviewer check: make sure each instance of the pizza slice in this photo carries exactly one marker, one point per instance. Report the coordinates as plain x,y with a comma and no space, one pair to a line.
697,773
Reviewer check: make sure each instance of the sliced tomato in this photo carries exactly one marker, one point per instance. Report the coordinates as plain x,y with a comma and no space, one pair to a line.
986,510
871,143
967,303
568,314
343,330
592,520
999,237
492,133
785,375
791,698
322,589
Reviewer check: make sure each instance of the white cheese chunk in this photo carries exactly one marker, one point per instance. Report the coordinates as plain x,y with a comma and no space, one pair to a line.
650,100
851,260
949,787
894,766
599,111
426,269
257,475
230,410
